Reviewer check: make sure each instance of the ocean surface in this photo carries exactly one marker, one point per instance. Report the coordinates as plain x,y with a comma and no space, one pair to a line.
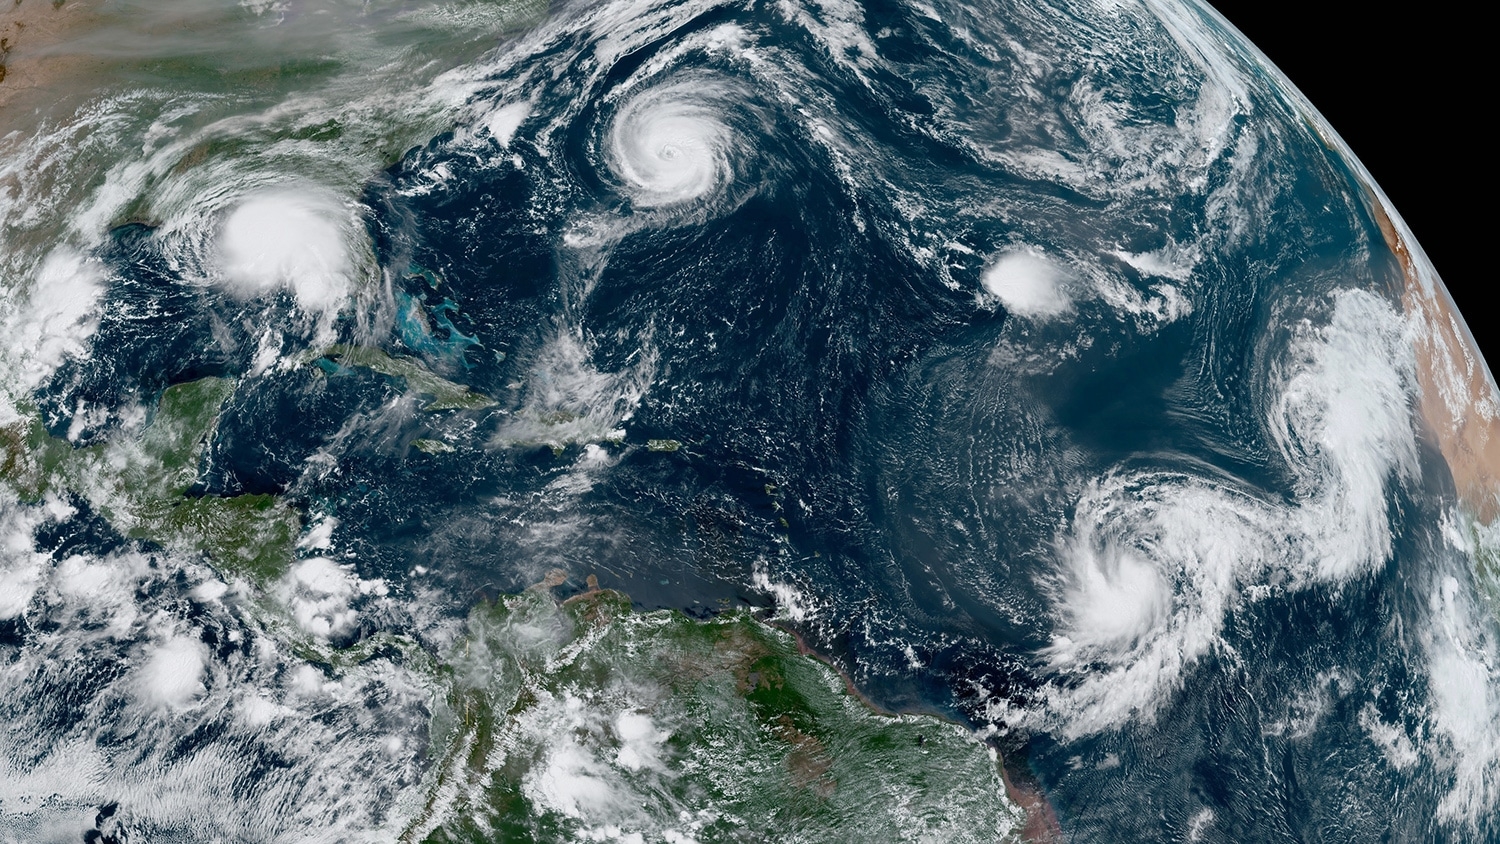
1044,366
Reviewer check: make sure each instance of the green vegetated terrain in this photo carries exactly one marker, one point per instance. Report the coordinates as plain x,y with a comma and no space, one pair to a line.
587,720
1484,541
443,394
580,720
140,483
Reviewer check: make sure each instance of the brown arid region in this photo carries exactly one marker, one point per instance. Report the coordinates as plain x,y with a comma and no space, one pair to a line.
1459,402
34,59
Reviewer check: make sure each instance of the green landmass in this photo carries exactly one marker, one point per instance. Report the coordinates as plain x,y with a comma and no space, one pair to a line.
589,721
445,394
580,720
1484,540
662,445
140,484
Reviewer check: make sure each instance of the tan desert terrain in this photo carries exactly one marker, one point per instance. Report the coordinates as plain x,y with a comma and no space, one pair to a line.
32,33
1459,401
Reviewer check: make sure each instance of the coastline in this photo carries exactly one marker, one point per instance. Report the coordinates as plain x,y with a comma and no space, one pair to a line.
1042,824
1458,399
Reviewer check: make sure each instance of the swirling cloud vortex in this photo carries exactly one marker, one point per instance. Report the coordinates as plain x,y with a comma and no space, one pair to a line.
672,145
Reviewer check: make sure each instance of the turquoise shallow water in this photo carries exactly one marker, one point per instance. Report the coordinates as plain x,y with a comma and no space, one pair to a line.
1044,366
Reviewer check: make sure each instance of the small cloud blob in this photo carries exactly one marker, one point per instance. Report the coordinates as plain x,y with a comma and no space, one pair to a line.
1028,285
504,121
173,673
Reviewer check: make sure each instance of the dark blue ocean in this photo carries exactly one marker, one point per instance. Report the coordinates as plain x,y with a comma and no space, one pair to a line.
1040,364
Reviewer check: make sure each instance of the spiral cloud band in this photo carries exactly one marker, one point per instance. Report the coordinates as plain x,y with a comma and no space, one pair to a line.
672,144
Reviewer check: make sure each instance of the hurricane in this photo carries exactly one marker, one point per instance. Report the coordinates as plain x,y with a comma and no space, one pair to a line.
672,144
703,421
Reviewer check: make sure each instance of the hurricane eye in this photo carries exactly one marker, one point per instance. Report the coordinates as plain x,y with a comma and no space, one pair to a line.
675,144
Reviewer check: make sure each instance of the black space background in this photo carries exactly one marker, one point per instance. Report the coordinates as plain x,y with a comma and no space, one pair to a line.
1411,90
